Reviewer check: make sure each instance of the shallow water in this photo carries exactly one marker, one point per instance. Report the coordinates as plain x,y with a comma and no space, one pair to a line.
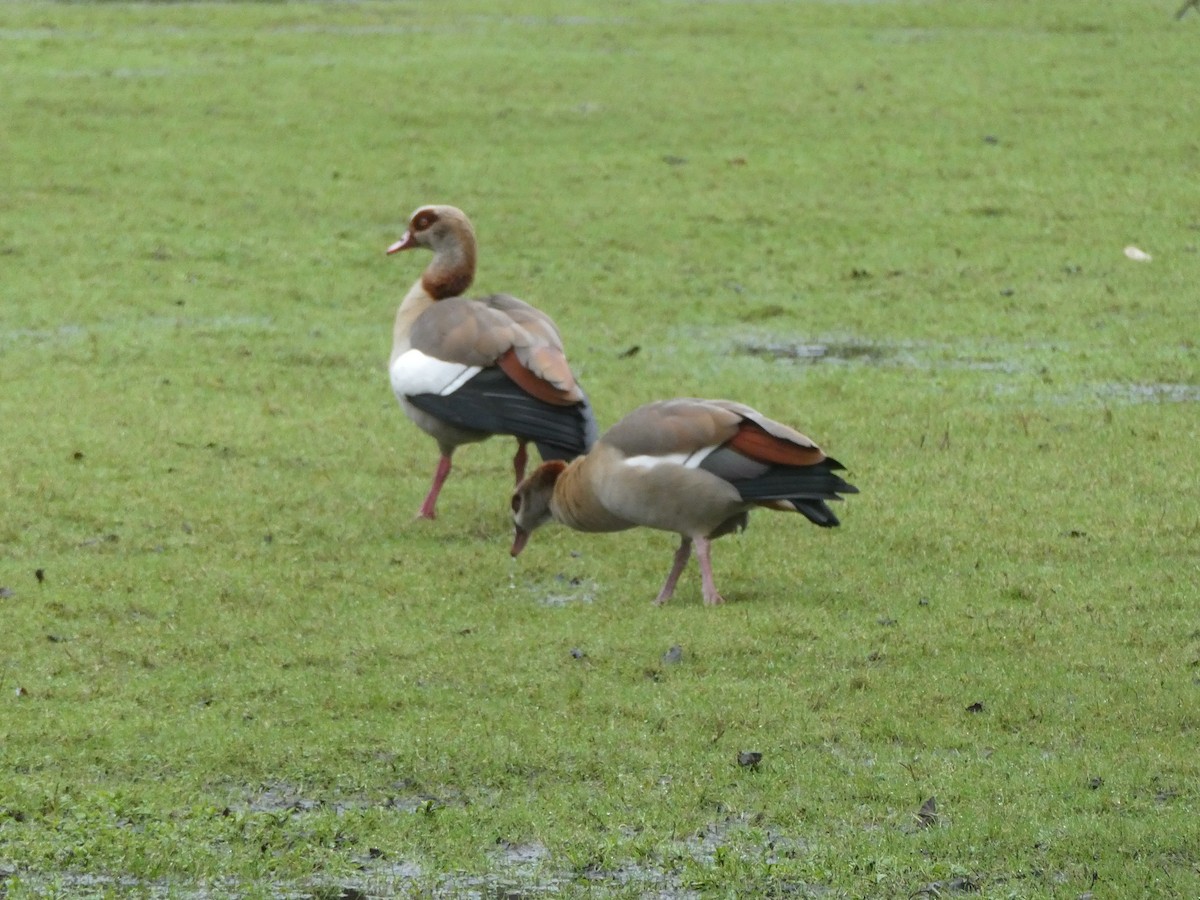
1149,393
525,869
823,351
1002,359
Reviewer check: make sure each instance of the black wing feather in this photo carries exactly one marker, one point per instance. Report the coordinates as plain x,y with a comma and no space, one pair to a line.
493,403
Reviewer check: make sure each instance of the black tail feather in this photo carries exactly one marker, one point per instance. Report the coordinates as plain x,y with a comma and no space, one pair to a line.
817,512
550,449
805,488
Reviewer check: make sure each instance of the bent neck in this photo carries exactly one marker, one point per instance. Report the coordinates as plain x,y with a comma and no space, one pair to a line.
575,503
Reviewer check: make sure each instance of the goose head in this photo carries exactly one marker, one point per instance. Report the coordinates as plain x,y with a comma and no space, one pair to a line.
531,502
447,232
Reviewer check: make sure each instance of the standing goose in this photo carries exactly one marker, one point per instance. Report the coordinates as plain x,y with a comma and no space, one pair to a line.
696,467
465,369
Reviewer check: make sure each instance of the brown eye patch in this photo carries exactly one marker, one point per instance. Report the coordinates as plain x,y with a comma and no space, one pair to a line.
423,219
516,503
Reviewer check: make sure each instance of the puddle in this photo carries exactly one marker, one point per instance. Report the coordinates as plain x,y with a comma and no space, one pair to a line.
379,876
577,591
285,798
375,29
71,333
519,870
348,30
561,590
554,21
64,334
760,2
1150,393
855,351
26,34
823,352
123,73
997,358
521,855
704,846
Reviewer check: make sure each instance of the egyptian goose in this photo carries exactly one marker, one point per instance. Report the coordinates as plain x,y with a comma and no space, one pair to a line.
696,467
465,369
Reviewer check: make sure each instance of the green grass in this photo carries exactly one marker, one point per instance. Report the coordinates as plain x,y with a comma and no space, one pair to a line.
245,668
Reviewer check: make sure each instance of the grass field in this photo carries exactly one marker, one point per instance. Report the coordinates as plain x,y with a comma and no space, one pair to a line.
233,664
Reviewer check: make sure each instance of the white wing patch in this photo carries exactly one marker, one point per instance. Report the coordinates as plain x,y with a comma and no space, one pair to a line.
687,460
415,372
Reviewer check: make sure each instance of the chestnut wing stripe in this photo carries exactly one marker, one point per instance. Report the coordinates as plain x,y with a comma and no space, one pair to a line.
758,444
531,383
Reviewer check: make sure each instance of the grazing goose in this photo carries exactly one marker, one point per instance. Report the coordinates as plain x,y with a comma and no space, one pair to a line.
465,369
696,467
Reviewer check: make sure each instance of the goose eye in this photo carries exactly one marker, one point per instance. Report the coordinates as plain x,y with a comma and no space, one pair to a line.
516,503
423,219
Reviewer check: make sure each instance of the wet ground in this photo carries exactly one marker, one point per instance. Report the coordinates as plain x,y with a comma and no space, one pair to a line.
519,870
1003,359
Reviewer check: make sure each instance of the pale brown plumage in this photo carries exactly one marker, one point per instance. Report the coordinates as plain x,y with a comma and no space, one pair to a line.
694,467
464,369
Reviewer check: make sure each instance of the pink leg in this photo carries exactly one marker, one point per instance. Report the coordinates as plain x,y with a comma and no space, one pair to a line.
703,554
427,510
519,460
681,557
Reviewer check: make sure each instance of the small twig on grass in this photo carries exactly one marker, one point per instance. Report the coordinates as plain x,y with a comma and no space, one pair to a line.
1189,4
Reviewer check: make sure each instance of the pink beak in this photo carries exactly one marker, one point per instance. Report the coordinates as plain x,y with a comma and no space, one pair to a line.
403,244
520,538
